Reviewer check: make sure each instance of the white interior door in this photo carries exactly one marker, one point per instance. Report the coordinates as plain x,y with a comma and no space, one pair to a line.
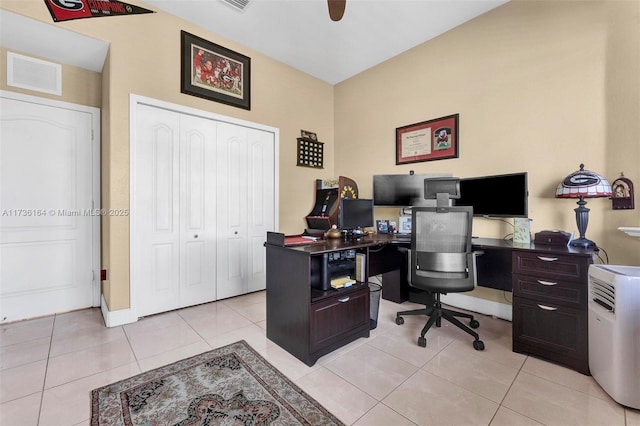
232,210
246,208
203,196
155,211
261,197
197,210
49,228
173,210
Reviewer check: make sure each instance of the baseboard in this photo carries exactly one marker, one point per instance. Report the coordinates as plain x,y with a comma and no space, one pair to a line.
116,318
475,304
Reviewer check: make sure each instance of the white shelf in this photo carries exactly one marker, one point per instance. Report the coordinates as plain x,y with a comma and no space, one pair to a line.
632,232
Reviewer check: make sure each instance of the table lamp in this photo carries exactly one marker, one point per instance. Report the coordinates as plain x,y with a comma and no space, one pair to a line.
583,184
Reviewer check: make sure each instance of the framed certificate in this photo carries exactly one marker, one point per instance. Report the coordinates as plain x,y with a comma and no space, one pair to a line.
428,140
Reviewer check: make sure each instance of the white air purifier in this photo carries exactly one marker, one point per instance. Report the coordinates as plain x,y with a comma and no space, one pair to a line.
614,331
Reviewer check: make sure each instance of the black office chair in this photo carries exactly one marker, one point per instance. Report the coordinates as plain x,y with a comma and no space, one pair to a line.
441,260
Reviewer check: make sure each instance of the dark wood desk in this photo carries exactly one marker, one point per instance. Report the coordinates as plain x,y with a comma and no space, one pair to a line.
549,284
302,318
390,261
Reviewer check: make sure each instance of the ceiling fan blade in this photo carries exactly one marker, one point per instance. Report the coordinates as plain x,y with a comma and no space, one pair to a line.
336,9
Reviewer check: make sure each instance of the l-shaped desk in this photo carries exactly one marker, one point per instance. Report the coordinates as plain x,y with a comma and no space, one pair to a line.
549,285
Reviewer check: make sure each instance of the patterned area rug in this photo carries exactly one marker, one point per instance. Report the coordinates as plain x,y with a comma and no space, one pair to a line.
231,385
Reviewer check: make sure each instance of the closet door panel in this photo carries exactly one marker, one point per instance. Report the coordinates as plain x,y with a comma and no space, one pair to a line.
155,211
261,216
232,210
197,210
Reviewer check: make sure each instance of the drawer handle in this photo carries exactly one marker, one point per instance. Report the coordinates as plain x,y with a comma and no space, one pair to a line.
547,308
547,259
344,299
546,282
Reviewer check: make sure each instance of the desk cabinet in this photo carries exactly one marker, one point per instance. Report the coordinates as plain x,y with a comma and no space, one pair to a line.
306,321
336,317
550,306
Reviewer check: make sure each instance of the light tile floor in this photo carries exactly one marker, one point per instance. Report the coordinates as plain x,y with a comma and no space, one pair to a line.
49,365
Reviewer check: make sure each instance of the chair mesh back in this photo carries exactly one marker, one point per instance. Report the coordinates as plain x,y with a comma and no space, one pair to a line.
441,242
442,232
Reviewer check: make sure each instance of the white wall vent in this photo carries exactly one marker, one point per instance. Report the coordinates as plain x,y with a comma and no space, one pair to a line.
237,4
34,74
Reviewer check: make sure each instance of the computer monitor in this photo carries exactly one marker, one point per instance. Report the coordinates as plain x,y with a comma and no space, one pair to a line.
496,195
355,213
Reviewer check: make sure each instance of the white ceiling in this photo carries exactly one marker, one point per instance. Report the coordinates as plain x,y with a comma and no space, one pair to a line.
296,32
301,34
47,41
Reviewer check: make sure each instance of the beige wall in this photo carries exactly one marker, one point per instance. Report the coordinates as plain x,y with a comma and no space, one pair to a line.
144,59
540,86
80,86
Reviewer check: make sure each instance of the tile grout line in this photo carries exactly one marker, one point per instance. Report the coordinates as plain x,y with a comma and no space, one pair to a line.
507,393
46,367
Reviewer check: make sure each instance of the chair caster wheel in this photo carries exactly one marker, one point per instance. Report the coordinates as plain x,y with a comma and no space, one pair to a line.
399,320
474,324
478,345
422,342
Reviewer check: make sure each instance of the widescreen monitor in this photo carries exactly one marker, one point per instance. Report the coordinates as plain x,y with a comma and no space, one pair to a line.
496,196
400,190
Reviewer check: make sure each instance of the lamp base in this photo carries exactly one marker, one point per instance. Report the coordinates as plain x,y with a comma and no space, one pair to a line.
583,243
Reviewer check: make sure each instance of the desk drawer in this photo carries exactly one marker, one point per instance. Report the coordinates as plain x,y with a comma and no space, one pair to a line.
566,293
557,267
552,331
338,316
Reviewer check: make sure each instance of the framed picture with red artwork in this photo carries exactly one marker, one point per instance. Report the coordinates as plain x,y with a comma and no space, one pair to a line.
428,140
213,72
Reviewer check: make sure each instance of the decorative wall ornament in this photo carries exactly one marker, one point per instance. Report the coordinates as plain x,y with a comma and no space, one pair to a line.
622,197
310,153
62,10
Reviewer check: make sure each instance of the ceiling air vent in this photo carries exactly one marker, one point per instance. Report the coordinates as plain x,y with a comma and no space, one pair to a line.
34,74
237,4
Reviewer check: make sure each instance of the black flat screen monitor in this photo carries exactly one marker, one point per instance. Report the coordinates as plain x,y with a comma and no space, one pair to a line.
399,190
355,213
496,196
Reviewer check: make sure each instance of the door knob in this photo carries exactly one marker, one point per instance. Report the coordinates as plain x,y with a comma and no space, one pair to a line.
195,236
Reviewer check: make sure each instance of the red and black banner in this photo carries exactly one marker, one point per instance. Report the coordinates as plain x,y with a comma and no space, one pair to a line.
66,10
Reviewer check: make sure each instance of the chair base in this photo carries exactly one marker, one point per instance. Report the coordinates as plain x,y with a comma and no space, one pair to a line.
436,313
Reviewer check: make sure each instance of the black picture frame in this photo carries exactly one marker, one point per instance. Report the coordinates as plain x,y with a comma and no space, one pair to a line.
213,72
382,226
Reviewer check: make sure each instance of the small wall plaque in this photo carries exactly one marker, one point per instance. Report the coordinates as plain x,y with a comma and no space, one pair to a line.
622,198
310,153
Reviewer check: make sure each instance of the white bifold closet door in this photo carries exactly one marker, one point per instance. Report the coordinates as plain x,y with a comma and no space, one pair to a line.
202,202
174,210
246,207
